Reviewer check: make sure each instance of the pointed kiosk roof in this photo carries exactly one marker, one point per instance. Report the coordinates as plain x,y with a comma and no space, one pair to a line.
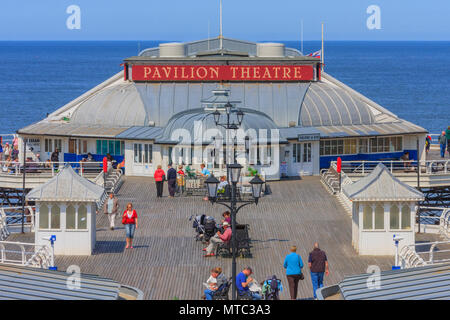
381,185
67,186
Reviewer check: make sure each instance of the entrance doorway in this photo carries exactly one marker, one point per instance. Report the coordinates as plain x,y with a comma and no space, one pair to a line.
302,159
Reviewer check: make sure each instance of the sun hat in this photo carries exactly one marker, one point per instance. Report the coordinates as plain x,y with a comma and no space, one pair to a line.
226,223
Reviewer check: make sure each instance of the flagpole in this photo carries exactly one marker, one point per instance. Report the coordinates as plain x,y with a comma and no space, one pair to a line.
221,27
322,53
301,37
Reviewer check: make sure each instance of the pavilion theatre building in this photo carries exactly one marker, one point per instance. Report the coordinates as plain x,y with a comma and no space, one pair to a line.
303,117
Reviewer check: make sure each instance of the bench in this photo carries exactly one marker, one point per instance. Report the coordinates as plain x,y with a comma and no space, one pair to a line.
242,243
222,292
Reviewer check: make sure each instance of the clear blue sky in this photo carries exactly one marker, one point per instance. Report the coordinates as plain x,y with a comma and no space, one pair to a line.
244,19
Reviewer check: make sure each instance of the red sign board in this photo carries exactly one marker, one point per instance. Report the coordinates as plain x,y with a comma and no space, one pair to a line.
222,73
339,165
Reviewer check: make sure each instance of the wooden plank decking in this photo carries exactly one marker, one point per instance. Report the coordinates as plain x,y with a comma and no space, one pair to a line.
167,262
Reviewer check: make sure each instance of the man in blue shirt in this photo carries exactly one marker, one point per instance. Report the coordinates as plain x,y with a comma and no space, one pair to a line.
243,280
293,264
205,172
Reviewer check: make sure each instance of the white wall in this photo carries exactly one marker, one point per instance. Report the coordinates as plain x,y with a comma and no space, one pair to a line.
380,242
69,242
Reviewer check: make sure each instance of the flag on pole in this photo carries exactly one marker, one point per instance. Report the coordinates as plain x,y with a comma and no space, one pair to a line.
317,54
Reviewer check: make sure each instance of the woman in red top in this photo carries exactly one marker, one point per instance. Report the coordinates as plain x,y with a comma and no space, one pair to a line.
159,176
130,220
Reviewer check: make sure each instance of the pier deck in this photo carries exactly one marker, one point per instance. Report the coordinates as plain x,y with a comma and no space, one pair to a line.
167,262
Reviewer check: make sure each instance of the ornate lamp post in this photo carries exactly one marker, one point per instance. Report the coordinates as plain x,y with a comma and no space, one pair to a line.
234,172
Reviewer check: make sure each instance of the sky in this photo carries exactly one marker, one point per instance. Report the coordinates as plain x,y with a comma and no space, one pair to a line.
254,20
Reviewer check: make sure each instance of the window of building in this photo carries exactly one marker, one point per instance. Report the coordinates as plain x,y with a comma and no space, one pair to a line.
363,145
367,218
113,147
70,217
353,146
296,152
58,145
43,217
379,217
386,144
82,217
394,218
307,152
406,217
55,217
48,147
143,153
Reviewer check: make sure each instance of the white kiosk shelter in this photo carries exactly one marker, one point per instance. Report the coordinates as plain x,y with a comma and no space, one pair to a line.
66,207
382,206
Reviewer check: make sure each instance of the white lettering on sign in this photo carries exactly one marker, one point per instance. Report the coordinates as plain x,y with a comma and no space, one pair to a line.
74,20
374,20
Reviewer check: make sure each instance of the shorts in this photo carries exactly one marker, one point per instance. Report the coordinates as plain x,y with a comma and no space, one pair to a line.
130,228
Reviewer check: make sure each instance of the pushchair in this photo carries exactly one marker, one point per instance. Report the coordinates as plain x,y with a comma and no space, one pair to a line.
205,226
210,228
271,289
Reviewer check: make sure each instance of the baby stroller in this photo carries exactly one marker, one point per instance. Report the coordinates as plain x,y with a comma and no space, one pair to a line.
271,289
198,225
210,228
205,226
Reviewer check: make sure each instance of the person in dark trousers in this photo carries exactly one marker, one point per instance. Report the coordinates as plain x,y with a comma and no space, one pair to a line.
318,265
171,180
55,158
293,264
443,143
447,135
159,179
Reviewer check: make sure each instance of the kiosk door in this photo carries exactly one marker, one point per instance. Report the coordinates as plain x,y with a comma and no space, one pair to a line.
301,161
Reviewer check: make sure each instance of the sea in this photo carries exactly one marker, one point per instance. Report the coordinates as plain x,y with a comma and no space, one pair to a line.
411,79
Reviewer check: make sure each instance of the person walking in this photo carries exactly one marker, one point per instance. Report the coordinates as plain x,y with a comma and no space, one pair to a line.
55,158
171,180
159,180
293,264
7,151
318,265
130,220
447,135
443,143
111,207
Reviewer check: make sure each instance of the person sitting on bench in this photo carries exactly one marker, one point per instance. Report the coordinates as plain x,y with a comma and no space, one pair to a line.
215,281
406,161
218,238
243,281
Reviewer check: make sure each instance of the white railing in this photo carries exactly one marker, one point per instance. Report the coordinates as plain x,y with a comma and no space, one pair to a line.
4,232
27,254
410,257
14,218
444,224
430,167
50,168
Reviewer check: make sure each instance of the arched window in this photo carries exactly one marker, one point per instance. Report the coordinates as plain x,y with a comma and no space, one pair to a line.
82,217
55,219
367,218
394,218
43,217
379,217
406,217
70,217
